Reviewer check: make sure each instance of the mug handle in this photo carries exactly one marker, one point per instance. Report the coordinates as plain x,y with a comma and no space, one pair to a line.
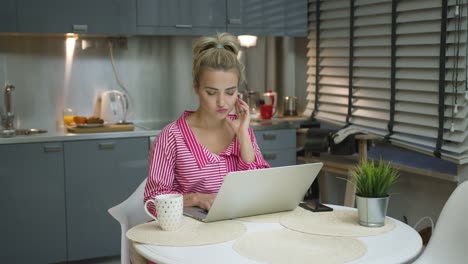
146,209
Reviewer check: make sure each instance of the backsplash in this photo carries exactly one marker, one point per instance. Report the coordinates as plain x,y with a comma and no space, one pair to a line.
155,70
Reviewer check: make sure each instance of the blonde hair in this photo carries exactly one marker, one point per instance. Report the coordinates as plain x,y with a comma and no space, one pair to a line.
217,52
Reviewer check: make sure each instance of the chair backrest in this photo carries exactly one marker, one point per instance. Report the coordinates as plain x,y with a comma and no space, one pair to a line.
450,236
129,213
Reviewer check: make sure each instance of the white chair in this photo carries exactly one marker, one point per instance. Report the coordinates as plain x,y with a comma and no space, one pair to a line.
450,236
129,213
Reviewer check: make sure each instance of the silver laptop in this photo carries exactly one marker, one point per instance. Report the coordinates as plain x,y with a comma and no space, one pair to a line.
256,192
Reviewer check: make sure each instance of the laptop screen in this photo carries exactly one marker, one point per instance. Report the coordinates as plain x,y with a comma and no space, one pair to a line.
262,191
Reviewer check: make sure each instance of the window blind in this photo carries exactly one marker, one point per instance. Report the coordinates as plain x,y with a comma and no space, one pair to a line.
395,89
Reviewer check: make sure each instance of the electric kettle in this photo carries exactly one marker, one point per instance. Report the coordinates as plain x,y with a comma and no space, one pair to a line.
114,106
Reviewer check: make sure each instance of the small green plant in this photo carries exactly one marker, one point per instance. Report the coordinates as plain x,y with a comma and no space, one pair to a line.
373,180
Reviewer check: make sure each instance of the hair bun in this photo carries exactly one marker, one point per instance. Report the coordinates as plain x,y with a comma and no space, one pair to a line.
220,41
217,52
229,42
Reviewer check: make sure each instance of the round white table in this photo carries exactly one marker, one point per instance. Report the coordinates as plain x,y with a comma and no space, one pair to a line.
401,245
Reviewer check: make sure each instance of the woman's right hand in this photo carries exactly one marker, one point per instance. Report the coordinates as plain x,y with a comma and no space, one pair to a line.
205,200
202,200
241,124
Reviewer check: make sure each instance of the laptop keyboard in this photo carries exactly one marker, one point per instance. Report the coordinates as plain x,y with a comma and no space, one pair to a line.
203,211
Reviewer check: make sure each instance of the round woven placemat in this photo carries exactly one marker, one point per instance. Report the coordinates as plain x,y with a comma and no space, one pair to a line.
286,246
191,233
335,223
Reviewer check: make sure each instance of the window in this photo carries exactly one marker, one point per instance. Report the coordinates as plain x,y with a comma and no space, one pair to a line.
376,65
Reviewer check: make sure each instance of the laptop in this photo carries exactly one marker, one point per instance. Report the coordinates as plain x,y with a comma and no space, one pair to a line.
256,192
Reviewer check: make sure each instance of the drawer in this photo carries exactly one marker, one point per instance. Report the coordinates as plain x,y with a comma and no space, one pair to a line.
280,157
276,139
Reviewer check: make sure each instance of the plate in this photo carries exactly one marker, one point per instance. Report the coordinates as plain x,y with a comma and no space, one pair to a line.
89,125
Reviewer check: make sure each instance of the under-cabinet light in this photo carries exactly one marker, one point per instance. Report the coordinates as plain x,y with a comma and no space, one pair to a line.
247,40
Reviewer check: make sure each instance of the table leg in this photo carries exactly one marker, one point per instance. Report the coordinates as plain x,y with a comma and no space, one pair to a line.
362,152
135,258
349,192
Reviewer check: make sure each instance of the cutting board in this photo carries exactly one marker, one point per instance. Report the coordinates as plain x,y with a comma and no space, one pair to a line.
103,129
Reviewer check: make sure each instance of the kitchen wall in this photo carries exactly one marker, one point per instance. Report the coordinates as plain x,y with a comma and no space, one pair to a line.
155,70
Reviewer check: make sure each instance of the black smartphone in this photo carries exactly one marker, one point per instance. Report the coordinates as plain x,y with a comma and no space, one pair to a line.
315,206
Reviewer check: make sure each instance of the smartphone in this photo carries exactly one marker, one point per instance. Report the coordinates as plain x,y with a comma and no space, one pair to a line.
315,206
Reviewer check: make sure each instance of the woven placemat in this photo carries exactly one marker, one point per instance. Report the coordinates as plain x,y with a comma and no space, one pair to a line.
191,233
286,246
335,223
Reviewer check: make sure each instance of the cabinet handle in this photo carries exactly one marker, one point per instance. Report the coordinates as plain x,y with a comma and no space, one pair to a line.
269,136
109,145
80,28
183,26
271,156
234,21
49,149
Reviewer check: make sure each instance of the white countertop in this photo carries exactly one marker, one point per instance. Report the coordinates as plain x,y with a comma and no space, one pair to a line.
142,129
52,136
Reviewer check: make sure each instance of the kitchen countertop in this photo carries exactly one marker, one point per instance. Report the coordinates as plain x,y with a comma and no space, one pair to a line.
279,123
52,136
145,129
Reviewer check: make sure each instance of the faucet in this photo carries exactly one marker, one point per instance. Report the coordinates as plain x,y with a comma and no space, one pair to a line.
8,117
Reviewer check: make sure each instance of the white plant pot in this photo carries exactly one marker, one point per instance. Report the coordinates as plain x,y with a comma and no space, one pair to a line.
372,211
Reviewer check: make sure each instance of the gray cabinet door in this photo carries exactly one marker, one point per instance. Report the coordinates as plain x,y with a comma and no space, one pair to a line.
256,17
180,17
64,16
278,147
267,17
280,157
274,17
276,138
98,175
32,202
8,22
296,18
245,17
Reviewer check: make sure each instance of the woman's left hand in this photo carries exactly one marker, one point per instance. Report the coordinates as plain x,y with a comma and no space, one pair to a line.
241,123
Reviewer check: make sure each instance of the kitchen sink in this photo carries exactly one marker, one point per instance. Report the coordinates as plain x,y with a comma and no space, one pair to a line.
31,131
21,132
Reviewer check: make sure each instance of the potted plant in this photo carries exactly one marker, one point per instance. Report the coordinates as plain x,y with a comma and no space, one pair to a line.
372,181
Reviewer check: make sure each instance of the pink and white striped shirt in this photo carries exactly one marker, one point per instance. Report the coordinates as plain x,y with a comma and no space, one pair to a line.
179,164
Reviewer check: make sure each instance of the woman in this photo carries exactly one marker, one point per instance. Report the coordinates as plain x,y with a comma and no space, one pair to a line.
192,155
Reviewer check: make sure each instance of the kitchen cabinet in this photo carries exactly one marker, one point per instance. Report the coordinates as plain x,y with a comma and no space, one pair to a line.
267,17
8,17
156,17
278,147
32,202
98,175
180,17
245,17
84,16
55,197
296,18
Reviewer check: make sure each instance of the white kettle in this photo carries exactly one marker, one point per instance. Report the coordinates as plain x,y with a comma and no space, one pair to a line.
114,106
